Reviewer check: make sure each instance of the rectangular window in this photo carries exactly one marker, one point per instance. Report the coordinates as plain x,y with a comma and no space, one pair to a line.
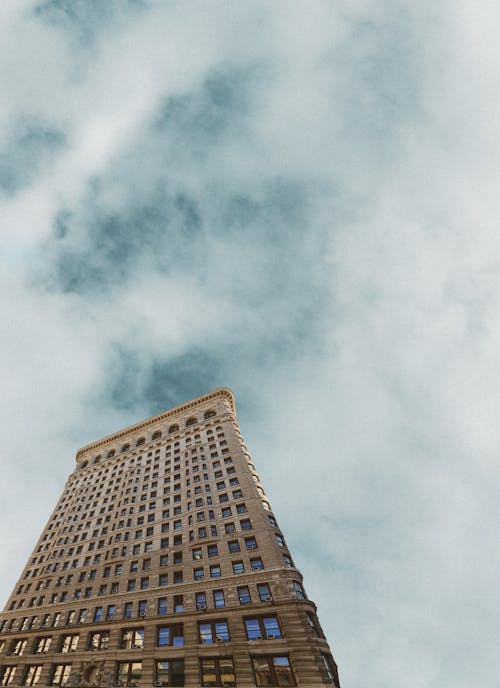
238,567
128,673
262,628
162,606
219,600
132,639
69,643
256,564
215,571
178,604
213,631
299,590
273,671
32,675
60,675
331,669
127,610
201,600
264,592
169,672
99,640
212,550
7,675
172,634
244,594
246,524
217,671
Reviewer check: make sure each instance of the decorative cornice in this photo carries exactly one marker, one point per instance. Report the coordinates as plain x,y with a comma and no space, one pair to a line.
153,420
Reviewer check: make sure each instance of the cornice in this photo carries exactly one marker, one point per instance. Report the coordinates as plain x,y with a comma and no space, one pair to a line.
220,392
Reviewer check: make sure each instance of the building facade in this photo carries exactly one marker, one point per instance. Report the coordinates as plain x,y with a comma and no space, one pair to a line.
163,564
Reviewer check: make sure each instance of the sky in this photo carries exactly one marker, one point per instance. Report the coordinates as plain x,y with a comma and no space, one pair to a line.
299,201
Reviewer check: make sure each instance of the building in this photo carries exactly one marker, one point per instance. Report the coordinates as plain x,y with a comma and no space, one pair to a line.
164,565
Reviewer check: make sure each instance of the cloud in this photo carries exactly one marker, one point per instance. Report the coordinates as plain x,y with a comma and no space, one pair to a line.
298,201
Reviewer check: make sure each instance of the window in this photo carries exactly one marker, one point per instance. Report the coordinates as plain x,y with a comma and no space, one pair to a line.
241,509
169,672
219,600
132,639
201,600
279,540
212,550
250,542
111,611
178,604
226,512
213,631
262,628
331,669
217,671
273,671
32,675
215,571
170,635
99,640
42,645
229,528
69,643
60,674
264,592
299,590
256,564
234,546
244,594
18,646
246,524
162,605
128,673
142,608
313,622
7,675
288,561
127,610
238,567
198,574
163,579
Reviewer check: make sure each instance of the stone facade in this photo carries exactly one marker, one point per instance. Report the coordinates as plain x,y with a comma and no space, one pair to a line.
164,565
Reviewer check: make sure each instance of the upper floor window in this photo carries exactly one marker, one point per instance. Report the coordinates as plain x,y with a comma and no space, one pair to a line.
217,671
273,671
262,628
213,631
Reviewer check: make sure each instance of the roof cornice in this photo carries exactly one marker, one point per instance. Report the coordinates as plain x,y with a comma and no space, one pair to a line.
153,420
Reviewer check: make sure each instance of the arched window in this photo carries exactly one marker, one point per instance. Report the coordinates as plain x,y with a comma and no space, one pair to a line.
140,441
125,448
156,435
191,421
97,459
209,414
84,464
110,453
173,428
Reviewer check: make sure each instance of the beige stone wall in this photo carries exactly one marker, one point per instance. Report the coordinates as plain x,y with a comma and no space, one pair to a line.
134,500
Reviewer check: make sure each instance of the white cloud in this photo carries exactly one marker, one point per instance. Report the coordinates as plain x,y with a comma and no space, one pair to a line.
341,271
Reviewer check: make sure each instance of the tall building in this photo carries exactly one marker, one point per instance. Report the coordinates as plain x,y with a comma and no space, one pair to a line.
163,564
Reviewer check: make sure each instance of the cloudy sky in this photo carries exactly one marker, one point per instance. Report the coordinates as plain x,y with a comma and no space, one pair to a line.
297,200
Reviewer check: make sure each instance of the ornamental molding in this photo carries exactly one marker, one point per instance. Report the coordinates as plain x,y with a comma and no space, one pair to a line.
219,393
